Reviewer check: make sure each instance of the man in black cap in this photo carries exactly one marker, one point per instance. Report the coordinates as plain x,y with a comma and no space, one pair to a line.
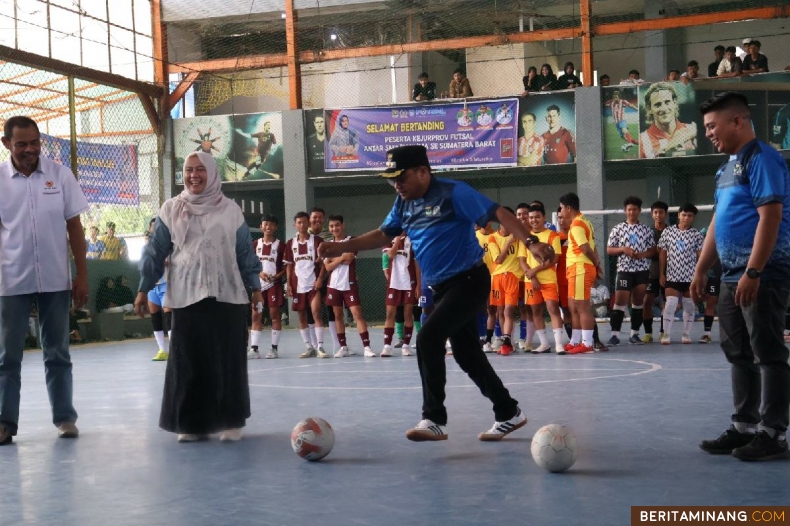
438,215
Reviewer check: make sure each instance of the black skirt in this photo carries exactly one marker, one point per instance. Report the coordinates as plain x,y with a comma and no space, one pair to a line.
206,386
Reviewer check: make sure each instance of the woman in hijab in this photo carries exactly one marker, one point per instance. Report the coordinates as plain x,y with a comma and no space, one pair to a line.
211,270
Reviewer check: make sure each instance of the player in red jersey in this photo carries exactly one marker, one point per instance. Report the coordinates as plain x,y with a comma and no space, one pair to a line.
560,147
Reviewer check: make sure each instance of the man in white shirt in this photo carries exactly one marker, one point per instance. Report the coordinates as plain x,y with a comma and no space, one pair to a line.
39,222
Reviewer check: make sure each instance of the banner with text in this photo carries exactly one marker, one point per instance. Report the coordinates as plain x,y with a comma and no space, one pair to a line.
472,134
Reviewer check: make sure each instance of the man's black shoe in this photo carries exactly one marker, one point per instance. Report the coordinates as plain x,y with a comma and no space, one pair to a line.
763,447
727,441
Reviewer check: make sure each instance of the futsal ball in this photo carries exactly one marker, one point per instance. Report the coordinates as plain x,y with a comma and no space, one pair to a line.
312,438
554,448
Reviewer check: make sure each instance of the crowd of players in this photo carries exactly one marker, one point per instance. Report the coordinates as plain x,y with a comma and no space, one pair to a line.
654,262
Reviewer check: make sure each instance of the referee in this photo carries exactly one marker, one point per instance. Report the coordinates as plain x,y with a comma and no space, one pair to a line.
438,215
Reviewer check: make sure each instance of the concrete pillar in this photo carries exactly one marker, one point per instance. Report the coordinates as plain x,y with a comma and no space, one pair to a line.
297,188
663,49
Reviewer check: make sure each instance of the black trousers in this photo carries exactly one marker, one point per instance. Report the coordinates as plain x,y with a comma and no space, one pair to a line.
456,304
752,340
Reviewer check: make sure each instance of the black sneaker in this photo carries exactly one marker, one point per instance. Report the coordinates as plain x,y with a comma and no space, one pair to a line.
5,435
727,441
763,447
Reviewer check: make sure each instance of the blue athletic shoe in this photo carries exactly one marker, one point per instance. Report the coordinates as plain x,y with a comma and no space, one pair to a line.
614,340
635,340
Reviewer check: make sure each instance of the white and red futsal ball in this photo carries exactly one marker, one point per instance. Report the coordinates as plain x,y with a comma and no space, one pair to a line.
312,438
554,448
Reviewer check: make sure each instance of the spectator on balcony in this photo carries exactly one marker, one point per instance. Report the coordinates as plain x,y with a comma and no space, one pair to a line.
691,73
114,247
713,67
755,62
731,65
634,78
424,89
604,80
568,79
674,75
744,48
96,246
460,88
547,79
530,81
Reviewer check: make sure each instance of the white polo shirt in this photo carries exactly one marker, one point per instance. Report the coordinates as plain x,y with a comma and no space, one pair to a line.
34,251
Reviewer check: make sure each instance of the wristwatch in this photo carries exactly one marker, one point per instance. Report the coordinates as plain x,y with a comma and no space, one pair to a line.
753,273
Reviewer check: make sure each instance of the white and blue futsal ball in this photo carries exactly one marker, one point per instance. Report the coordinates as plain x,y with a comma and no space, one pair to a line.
312,438
554,448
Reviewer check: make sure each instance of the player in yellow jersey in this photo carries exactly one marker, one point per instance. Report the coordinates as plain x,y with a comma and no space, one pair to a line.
583,266
505,279
540,282
526,327
486,324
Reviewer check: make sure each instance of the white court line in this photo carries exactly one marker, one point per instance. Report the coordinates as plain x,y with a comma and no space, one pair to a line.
653,367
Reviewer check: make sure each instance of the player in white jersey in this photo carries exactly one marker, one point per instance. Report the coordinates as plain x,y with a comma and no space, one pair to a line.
269,251
343,290
317,217
632,243
678,252
305,278
401,287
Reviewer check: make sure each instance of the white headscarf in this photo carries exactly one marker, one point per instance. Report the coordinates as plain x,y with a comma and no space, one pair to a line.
187,206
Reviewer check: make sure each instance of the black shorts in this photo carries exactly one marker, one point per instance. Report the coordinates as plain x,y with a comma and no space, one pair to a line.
654,287
713,286
629,280
681,286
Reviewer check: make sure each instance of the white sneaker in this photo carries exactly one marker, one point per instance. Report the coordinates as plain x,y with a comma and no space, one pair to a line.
665,339
369,353
501,429
405,351
496,343
541,349
487,348
253,355
309,353
189,437
230,435
559,348
321,353
342,352
685,338
271,354
426,430
447,344
522,344
386,352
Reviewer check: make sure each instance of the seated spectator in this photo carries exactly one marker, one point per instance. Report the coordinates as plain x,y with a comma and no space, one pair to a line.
547,79
599,301
731,65
568,79
96,246
745,48
530,81
691,73
713,67
109,298
460,87
674,75
755,62
123,294
633,78
424,89
604,80
114,247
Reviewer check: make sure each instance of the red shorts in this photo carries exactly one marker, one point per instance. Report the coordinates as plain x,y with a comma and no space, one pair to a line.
302,301
273,296
548,291
581,277
504,289
396,298
342,298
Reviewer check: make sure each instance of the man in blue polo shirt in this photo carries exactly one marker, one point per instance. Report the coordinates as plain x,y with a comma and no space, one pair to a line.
41,205
750,234
438,216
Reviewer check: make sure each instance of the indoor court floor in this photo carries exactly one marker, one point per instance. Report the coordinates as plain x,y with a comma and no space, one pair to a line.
638,412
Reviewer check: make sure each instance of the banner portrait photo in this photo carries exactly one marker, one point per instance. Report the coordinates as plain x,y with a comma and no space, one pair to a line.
668,123
620,121
546,129
472,134
246,147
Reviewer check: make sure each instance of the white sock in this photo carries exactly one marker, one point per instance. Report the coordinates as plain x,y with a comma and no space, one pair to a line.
587,337
319,335
275,337
544,338
616,333
670,306
255,338
576,336
559,336
306,337
634,333
160,340
531,332
313,341
689,310
333,332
